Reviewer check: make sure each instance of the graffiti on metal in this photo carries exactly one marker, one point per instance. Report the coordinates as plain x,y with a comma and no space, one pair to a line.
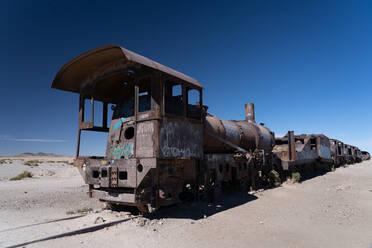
118,124
172,136
122,151
279,148
178,152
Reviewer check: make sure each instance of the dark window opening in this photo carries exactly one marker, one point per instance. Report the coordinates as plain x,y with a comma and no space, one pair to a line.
193,104
126,106
281,141
220,168
123,175
129,133
173,99
95,174
313,144
299,141
227,167
104,173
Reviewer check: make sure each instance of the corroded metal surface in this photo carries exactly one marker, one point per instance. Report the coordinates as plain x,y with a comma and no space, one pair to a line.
244,134
308,149
180,139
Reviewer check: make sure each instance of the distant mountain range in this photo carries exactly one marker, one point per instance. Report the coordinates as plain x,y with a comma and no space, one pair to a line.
40,154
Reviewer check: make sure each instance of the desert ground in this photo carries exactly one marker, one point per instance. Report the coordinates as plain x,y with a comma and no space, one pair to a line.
332,210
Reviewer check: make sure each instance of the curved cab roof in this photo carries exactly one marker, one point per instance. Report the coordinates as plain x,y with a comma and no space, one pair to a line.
105,62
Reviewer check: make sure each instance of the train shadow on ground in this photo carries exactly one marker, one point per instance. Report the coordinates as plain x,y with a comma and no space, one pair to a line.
228,199
309,176
201,209
308,171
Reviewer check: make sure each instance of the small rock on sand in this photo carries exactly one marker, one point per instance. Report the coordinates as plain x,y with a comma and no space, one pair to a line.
99,220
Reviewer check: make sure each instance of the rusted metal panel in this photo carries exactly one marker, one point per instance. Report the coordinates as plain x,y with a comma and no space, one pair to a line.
128,198
143,167
180,139
139,59
323,146
145,139
222,164
244,134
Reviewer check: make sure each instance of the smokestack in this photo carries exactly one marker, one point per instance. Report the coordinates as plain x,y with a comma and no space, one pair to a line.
249,112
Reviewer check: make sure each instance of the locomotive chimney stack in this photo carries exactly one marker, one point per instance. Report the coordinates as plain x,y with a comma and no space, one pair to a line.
249,112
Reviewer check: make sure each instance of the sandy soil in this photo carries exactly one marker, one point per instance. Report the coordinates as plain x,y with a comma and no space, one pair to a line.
333,210
46,166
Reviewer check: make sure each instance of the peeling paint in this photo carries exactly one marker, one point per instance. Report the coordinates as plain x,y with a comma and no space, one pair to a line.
118,124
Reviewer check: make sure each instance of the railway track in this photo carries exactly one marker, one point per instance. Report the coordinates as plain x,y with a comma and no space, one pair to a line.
87,229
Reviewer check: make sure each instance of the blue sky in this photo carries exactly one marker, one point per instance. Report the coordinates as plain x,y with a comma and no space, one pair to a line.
306,65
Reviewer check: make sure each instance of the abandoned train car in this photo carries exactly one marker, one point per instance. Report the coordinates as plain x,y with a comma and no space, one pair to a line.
305,153
337,152
163,146
351,154
365,155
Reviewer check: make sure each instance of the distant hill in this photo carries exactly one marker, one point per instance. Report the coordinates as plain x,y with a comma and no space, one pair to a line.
40,154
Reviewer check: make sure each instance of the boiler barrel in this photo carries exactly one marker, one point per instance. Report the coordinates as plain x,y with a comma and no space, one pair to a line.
244,134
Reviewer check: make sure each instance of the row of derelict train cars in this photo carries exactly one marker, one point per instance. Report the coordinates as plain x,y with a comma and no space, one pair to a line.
163,147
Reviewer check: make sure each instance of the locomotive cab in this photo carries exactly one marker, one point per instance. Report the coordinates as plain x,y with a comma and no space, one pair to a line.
154,143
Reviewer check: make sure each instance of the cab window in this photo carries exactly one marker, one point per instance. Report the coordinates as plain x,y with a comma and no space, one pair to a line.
173,99
193,104
125,108
144,95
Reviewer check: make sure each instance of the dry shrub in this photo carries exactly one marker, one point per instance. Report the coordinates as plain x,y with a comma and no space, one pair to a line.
21,176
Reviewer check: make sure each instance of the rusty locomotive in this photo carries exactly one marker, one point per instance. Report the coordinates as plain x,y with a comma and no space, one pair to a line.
163,146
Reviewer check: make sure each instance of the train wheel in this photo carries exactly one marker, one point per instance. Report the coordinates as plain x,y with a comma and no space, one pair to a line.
142,208
113,206
217,193
214,193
